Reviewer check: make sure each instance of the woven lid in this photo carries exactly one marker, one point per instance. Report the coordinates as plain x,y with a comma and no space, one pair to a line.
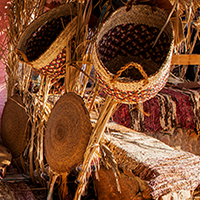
67,133
15,128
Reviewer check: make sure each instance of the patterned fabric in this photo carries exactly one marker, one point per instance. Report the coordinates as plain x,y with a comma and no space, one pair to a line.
168,109
16,190
122,116
163,168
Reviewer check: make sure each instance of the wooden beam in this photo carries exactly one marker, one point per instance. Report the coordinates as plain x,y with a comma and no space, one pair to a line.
186,59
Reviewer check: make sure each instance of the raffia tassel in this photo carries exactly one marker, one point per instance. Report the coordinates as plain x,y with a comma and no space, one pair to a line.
52,183
63,186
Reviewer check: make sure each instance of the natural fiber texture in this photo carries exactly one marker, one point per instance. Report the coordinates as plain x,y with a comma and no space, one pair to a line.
67,133
5,157
106,186
92,151
164,168
168,109
42,43
15,128
129,37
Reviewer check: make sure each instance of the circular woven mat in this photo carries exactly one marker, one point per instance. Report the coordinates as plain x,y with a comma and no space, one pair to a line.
15,128
67,133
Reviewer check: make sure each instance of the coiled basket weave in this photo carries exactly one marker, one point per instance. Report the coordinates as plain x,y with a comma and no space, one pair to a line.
42,44
130,66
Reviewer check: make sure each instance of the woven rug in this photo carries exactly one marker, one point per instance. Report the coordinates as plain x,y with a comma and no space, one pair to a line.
164,169
170,108
20,190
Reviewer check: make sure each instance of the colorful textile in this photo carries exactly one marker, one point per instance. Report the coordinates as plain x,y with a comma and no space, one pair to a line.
168,109
163,168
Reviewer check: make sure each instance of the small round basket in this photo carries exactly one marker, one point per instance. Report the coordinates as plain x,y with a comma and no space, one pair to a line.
15,127
67,133
42,44
130,65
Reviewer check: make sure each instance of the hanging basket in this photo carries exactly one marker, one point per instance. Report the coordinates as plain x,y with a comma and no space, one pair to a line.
42,44
129,66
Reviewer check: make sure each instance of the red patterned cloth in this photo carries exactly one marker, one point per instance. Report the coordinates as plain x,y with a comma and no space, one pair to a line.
168,109
122,116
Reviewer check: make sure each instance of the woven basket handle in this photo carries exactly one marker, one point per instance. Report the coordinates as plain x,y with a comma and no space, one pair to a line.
137,66
129,4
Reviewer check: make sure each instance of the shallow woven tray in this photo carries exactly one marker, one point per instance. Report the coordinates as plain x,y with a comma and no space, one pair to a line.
67,133
15,127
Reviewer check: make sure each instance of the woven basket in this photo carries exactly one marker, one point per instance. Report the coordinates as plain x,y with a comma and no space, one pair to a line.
125,44
106,187
67,134
42,44
15,126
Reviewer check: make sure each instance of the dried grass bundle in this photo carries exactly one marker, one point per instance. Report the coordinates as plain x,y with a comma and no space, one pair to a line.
19,14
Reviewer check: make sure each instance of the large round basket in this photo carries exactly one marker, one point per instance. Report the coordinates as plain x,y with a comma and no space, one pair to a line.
67,133
42,44
15,127
130,66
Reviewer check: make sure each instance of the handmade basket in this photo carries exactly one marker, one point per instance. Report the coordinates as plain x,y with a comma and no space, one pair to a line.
15,126
67,134
42,44
129,66
106,186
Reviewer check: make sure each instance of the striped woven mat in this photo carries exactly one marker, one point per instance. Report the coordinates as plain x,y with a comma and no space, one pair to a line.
170,108
165,169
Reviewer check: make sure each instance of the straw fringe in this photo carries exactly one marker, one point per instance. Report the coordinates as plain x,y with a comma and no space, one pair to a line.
93,144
